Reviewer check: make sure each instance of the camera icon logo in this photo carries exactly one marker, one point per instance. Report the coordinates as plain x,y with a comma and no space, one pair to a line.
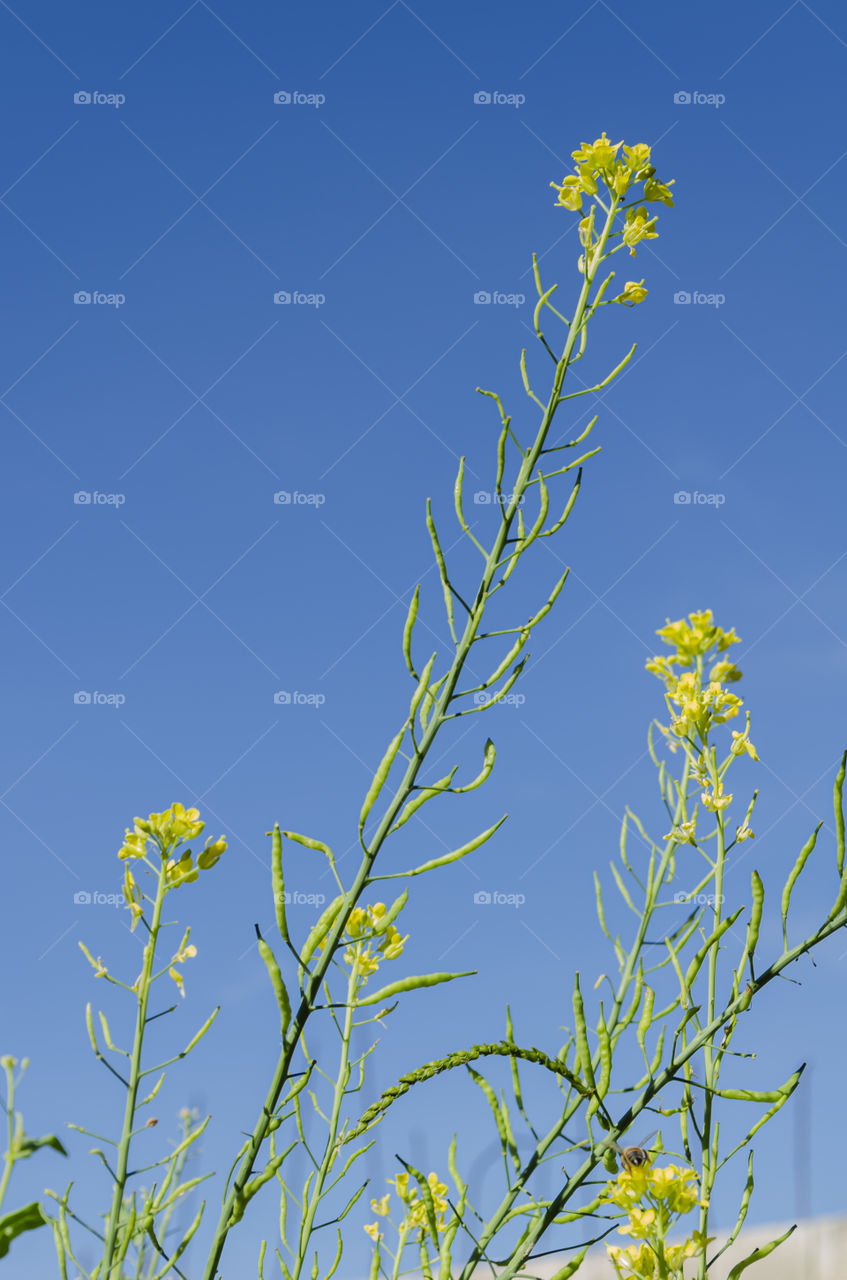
282,498
282,297
82,98
82,297
282,98
282,698
82,698
82,898
682,98
81,498
481,498
682,297
482,297
482,98
682,498
482,898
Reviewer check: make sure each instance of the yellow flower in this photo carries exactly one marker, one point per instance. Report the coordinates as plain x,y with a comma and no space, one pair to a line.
658,191
211,854
741,744
637,157
744,832
640,1259
727,671
132,897
181,872
640,1222
684,833
638,227
178,979
634,291
570,193
373,1231
597,155
676,1186
134,845
716,801
380,1207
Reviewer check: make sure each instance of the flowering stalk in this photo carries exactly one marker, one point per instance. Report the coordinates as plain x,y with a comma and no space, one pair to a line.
700,704
431,704
171,866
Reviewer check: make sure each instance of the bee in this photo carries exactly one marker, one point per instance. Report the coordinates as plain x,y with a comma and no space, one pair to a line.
633,1157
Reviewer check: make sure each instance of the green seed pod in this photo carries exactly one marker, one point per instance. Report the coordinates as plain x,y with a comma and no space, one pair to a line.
380,777
411,984
276,982
408,629
278,882
321,929
583,1053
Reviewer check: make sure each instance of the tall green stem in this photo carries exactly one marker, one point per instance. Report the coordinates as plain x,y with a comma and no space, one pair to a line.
435,723
111,1267
330,1151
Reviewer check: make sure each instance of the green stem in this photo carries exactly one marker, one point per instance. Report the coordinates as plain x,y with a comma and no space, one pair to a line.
111,1269
330,1150
9,1158
436,721
710,1066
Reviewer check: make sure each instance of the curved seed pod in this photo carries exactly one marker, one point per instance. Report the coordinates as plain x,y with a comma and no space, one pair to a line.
442,569
487,765
702,952
457,853
757,889
321,929
646,1016
757,1254
605,1047
411,983
425,793
411,618
380,777
391,914
423,685
583,1053
278,882
792,879
571,1268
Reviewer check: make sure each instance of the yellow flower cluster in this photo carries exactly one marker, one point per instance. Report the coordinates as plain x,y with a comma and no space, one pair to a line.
167,830
653,1199
599,162
371,941
696,705
415,1215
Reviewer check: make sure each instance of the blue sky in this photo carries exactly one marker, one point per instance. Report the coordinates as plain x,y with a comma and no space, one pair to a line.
382,198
